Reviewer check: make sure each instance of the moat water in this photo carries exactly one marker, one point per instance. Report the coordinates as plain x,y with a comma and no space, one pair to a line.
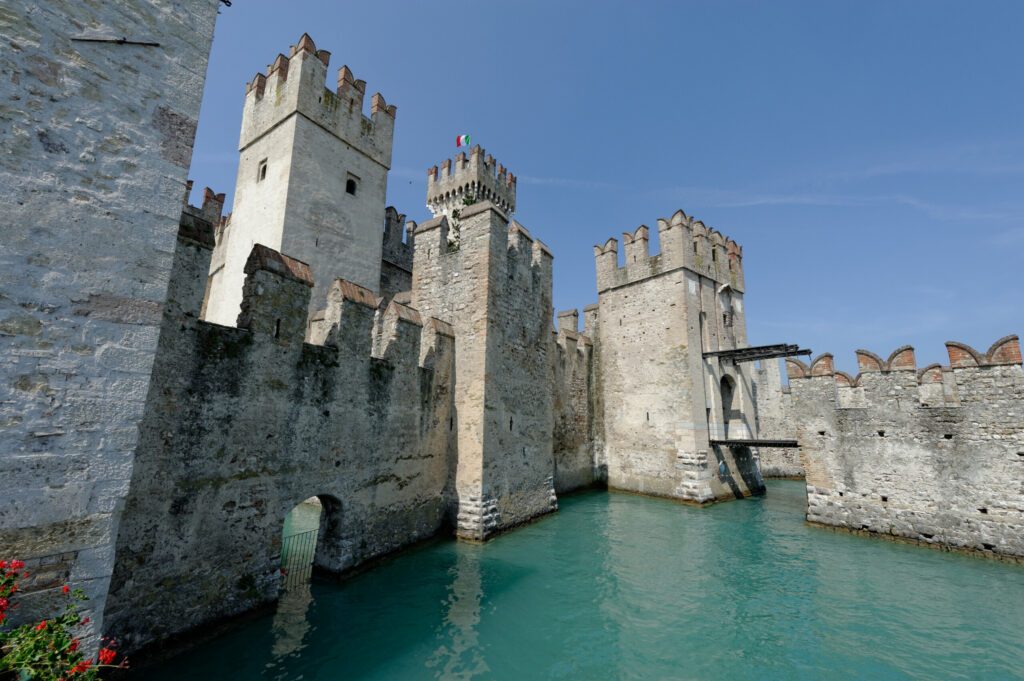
616,586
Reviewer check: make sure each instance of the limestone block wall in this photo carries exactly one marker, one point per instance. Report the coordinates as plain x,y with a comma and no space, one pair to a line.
572,438
396,254
662,400
494,288
301,145
242,424
97,140
775,423
886,452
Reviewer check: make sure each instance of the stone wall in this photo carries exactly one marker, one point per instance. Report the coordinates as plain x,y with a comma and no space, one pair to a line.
572,438
97,140
775,423
933,455
241,424
396,254
493,286
662,400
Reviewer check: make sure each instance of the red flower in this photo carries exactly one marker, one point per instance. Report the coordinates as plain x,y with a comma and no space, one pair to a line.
3,616
4,603
85,620
82,666
74,645
41,626
107,656
17,564
3,564
66,588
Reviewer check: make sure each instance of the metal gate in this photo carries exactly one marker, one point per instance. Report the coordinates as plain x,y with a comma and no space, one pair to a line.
297,553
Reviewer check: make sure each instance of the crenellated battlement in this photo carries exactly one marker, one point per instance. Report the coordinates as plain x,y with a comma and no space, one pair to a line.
879,379
295,84
685,243
919,453
527,261
478,177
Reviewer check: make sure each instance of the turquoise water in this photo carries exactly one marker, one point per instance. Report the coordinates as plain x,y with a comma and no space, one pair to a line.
617,586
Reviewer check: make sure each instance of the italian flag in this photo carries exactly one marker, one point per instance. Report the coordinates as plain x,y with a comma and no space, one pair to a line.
462,141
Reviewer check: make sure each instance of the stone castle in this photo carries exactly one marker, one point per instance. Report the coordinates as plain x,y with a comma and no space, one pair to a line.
180,398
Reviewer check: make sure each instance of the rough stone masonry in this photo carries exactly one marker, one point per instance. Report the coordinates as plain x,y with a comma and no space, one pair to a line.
934,455
177,395
96,135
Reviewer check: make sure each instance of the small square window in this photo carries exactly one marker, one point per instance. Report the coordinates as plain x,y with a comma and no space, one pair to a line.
261,171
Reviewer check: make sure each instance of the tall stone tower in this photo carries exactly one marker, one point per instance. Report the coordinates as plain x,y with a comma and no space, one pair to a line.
662,324
312,179
493,285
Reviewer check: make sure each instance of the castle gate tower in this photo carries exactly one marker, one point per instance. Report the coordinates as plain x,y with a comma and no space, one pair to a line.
312,178
667,395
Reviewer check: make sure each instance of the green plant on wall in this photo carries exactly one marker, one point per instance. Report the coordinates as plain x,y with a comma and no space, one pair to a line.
454,225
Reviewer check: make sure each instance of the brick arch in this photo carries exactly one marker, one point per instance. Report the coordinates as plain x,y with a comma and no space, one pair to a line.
901,358
1006,350
795,368
868,361
930,374
963,355
844,379
822,365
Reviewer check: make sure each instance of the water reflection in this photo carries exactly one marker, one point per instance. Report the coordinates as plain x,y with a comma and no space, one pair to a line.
620,587
461,657
291,622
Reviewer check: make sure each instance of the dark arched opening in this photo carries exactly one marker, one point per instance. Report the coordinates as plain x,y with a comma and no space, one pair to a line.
728,392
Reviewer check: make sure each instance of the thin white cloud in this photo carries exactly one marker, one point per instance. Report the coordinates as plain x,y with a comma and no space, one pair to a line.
719,198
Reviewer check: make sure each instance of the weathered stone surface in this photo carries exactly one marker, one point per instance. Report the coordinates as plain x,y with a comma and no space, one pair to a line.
662,399
242,424
775,423
494,288
573,436
931,455
97,137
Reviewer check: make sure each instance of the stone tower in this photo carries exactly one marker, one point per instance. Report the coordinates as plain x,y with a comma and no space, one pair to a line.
494,287
312,179
665,397
477,178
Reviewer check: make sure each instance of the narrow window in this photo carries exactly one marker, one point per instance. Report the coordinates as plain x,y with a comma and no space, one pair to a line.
694,246
350,186
277,329
261,171
714,254
510,424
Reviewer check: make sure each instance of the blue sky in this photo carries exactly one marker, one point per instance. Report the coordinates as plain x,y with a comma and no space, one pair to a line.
868,156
